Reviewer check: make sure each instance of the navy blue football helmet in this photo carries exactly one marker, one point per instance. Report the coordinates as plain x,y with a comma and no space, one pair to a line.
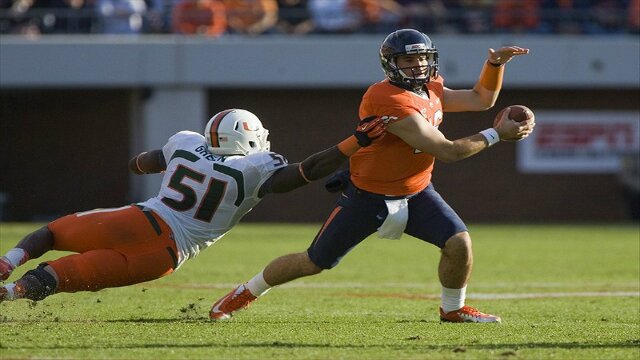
406,42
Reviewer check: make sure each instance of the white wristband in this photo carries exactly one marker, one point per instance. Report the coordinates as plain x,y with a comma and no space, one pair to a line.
491,135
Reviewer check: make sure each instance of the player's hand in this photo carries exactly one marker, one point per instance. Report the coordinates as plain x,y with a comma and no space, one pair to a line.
505,54
510,130
370,129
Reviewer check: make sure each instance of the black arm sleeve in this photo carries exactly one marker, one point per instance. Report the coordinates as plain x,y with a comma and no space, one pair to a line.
314,167
148,163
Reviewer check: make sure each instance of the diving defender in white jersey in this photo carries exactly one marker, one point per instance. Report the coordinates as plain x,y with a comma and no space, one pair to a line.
210,182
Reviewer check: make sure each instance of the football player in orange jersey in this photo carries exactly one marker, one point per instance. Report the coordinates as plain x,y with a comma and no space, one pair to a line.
210,182
389,189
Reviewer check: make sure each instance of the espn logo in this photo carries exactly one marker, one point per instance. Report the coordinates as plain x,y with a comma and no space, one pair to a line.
415,48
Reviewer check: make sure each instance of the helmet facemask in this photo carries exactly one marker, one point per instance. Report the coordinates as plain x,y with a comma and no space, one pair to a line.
236,132
408,76
418,78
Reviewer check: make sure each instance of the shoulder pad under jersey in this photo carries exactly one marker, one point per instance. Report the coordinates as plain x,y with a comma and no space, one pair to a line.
183,140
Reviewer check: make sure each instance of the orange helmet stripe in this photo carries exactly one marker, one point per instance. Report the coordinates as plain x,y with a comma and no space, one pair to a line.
213,132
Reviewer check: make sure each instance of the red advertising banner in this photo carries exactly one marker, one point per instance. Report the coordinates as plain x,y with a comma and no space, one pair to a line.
580,142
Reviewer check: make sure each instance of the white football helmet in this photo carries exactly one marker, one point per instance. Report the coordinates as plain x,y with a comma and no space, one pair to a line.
236,132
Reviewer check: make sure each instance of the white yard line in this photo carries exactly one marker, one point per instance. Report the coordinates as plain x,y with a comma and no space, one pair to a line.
553,295
404,285
470,295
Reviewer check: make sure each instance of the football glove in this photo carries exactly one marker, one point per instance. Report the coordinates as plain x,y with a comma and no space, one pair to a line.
369,129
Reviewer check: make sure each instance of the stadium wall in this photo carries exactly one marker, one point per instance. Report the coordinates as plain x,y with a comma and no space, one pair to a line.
74,109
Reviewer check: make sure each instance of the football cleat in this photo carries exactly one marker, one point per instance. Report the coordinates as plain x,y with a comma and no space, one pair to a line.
5,268
238,299
468,314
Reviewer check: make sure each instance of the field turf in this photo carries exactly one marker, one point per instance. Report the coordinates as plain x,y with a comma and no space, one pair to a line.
563,291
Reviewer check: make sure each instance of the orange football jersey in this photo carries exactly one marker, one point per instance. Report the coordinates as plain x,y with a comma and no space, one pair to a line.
390,166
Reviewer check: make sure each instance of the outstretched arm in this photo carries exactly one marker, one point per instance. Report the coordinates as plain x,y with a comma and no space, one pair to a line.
427,138
486,90
148,163
312,168
326,161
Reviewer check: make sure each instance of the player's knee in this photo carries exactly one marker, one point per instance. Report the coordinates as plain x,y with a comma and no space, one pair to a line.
310,268
38,283
314,269
458,244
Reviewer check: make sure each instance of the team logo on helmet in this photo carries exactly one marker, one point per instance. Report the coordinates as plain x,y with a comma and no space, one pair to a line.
415,48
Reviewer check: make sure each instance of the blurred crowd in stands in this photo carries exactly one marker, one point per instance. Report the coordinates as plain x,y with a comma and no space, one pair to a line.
219,17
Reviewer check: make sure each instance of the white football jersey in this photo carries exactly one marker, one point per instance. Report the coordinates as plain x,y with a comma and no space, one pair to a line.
204,195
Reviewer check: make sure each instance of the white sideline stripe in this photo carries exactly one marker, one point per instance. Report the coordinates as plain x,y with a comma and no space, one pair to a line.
472,296
471,285
345,285
553,295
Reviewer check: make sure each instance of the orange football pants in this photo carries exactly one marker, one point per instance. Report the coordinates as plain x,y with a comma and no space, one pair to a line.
115,247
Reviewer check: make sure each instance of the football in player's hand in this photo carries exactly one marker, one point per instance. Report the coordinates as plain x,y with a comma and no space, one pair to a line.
518,113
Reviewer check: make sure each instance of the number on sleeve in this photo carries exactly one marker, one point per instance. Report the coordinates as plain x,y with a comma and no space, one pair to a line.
278,158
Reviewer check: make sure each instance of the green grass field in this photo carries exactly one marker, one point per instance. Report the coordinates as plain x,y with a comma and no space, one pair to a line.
563,291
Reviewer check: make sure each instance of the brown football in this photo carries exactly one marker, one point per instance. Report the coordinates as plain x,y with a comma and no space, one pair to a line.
518,113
